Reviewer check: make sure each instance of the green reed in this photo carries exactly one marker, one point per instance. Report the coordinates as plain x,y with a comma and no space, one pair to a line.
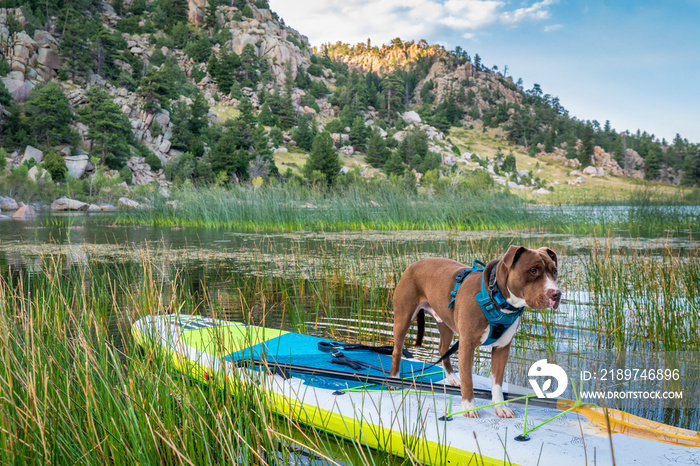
377,206
77,390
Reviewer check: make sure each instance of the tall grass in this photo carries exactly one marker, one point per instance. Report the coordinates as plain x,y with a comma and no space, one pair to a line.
76,390
291,207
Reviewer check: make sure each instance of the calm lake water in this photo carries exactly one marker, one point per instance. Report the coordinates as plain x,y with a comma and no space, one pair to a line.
212,262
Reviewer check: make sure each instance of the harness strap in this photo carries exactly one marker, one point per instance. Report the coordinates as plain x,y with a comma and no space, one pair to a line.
492,305
331,346
460,278
340,358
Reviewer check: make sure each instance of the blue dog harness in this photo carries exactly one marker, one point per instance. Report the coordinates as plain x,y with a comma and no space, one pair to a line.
491,304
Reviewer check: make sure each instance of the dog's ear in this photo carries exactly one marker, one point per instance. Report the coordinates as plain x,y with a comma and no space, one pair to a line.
512,255
551,254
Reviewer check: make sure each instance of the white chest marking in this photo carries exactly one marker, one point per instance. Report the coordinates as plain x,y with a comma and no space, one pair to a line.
515,301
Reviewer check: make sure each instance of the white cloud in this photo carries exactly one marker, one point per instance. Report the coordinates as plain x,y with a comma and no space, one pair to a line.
471,14
553,27
354,21
536,12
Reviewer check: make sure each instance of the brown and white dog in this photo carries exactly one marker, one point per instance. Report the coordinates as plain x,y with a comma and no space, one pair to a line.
525,277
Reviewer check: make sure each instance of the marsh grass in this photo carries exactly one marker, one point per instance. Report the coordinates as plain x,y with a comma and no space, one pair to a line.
376,206
76,389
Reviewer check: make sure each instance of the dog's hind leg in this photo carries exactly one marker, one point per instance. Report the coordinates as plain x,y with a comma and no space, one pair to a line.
446,335
405,310
419,313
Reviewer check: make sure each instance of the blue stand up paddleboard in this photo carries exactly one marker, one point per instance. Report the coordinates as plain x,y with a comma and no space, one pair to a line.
345,390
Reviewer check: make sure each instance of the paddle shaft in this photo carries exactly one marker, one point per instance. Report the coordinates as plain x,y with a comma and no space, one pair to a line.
395,382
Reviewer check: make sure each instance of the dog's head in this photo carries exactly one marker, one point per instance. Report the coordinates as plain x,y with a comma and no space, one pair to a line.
527,277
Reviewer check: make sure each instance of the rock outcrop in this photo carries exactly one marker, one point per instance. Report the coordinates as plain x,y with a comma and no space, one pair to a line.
32,60
142,173
32,153
279,44
604,160
385,58
77,165
7,203
634,164
65,203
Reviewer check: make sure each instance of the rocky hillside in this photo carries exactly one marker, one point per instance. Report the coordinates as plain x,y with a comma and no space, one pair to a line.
36,57
138,95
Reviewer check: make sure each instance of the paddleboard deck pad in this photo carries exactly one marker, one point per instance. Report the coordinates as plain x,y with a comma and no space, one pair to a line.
302,382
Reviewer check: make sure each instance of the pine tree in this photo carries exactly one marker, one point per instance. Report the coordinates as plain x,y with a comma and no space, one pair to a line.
653,163
175,12
377,152
16,129
393,88
586,149
108,128
266,117
619,152
49,114
231,155
358,134
5,96
246,109
261,148
227,68
286,114
199,111
304,135
394,165
249,66
180,117
210,19
691,168
155,89
276,136
323,158
414,147
75,47
213,66
549,141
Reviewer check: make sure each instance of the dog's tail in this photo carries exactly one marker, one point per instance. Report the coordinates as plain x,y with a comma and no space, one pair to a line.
421,327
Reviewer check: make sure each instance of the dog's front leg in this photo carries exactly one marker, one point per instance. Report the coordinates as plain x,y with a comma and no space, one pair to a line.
466,363
499,358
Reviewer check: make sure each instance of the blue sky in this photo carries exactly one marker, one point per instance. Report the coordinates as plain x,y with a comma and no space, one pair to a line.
635,63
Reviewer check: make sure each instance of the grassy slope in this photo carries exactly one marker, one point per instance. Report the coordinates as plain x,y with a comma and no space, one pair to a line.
601,189
606,188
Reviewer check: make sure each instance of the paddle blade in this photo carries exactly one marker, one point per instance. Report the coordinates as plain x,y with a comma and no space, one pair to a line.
635,426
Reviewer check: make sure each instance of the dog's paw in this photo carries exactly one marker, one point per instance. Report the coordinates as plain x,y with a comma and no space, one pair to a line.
452,379
470,405
504,411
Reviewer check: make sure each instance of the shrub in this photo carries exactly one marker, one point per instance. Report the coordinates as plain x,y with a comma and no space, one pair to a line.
4,67
153,161
126,175
335,126
55,165
276,136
